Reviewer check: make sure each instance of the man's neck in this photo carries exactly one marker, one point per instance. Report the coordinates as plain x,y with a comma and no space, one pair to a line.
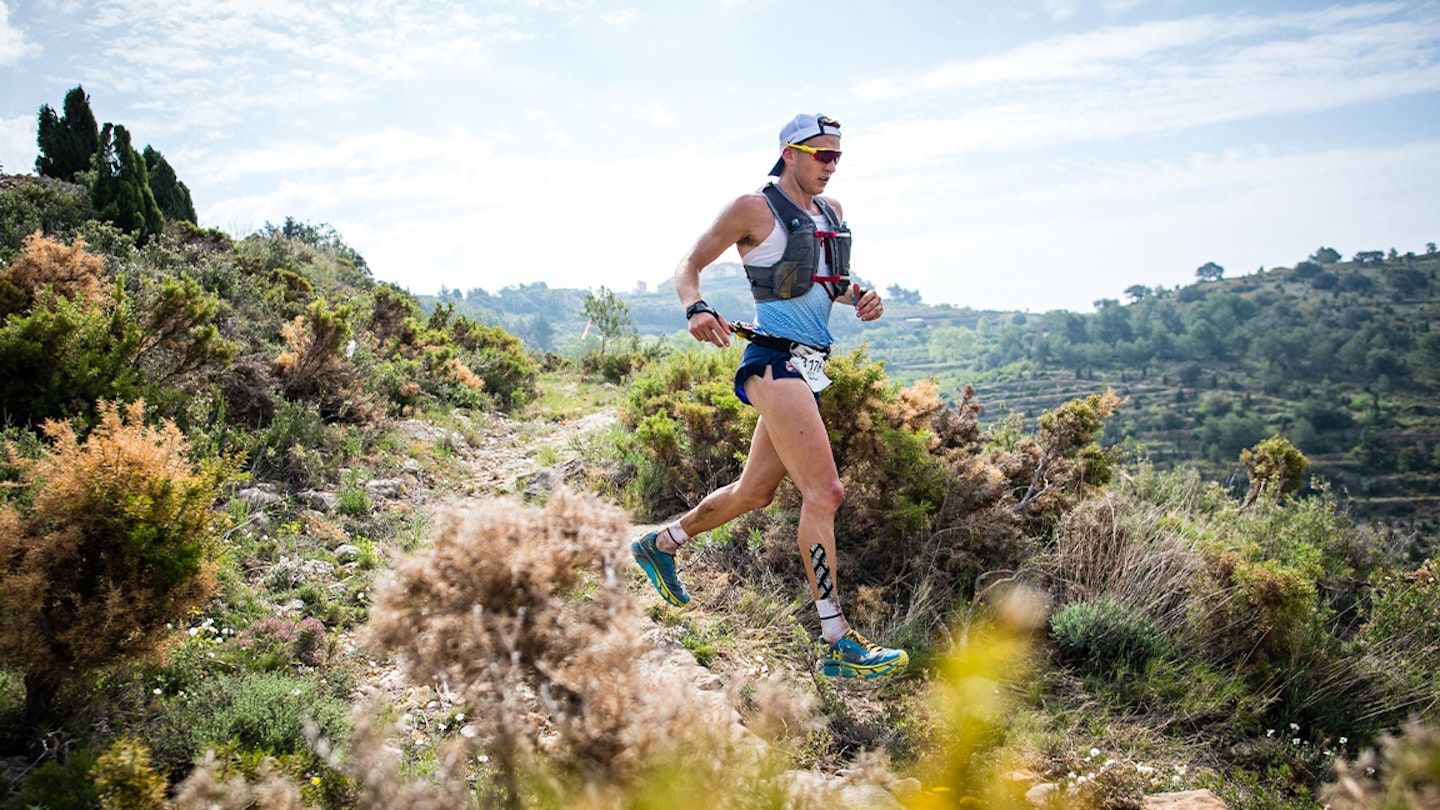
795,193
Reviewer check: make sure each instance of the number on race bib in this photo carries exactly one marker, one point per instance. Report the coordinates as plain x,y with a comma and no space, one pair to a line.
811,365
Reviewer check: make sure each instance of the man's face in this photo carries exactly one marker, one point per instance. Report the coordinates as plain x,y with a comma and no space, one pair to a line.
810,174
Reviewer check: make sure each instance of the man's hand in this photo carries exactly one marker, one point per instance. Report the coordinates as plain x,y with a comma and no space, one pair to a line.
867,303
710,328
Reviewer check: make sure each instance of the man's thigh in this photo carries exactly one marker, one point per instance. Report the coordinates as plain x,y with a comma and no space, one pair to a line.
791,417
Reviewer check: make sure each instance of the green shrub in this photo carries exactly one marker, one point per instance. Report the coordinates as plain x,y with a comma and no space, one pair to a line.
263,712
27,205
353,499
1403,635
500,359
59,785
689,431
1105,637
893,485
62,356
297,447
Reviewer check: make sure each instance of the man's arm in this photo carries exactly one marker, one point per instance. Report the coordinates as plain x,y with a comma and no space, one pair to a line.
736,225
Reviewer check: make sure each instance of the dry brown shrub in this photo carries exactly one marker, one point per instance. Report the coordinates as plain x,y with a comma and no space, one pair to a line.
462,374
1023,489
114,548
69,270
316,366
523,613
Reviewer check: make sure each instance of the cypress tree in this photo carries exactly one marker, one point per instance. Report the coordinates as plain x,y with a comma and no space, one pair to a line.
171,195
121,193
67,142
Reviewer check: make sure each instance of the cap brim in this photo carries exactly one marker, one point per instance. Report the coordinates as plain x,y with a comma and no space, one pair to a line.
778,168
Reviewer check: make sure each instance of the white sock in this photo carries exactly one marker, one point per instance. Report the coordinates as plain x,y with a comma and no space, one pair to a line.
832,621
671,538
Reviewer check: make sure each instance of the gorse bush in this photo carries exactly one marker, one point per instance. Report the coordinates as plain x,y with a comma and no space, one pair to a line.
1105,636
115,545
447,357
124,779
1274,467
65,343
688,431
881,439
316,367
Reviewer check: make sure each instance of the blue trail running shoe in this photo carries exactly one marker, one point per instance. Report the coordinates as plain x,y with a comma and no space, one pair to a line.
854,656
660,567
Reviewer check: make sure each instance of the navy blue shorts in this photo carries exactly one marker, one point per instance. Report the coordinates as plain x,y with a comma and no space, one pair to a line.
753,363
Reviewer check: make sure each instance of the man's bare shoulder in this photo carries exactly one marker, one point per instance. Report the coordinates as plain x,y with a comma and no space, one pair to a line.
750,206
747,219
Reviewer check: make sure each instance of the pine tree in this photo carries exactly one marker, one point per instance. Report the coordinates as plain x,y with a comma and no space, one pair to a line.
171,195
68,142
121,193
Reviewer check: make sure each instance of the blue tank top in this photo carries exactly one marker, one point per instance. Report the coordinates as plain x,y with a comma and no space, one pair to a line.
805,319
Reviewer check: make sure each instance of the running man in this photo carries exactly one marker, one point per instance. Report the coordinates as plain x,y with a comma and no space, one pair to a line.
795,246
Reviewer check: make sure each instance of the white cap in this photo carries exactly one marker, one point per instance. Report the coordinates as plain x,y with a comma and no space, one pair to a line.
801,128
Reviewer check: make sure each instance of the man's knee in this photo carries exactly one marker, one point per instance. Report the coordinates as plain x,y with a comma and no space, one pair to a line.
827,496
752,499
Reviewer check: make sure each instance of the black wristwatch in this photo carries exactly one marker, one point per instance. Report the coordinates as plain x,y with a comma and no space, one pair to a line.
699,306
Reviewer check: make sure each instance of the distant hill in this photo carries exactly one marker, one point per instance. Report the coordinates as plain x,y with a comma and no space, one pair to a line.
1340,357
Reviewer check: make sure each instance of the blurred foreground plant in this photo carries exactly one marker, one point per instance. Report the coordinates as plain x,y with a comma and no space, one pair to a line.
522,614
973,699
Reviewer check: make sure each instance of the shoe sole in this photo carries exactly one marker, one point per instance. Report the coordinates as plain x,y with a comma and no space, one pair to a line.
832,668
647,564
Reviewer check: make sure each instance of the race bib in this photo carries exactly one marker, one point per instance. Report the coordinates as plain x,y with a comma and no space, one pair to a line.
811,365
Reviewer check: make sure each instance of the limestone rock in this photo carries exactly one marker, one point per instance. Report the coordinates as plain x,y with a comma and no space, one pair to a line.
1186,800
387,488
319,501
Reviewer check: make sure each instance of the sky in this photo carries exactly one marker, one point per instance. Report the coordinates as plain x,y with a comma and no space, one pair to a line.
1021,155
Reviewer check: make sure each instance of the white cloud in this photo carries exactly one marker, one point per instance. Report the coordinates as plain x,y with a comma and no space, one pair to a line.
13,45
1145,79
1115,7
217,62
459,210
621,17
1061,9
17,144
661,117
1156,49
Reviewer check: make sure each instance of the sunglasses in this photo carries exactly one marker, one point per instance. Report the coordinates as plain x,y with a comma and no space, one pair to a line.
822,155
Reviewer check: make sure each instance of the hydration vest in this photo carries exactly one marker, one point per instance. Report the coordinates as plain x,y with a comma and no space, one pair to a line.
795,273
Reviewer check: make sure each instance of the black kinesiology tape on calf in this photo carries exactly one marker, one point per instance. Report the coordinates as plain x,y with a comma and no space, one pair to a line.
820,563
